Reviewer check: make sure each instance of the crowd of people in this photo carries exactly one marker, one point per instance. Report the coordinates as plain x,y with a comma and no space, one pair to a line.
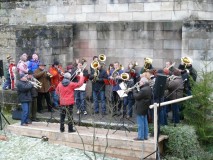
64,88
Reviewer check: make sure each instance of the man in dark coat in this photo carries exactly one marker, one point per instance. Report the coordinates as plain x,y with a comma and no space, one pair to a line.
98,88
24,95
142,100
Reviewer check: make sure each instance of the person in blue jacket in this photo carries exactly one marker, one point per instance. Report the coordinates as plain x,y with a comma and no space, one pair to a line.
33,63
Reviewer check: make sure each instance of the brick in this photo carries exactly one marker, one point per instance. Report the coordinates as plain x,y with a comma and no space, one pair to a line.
156,6
163,15
136,7
88,8
117,7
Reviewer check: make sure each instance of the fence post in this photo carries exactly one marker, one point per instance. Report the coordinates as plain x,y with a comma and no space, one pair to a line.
155,126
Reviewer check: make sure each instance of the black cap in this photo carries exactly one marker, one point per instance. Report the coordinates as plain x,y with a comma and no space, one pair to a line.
56,63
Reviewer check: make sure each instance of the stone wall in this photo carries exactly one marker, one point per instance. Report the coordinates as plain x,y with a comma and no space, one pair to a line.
126,42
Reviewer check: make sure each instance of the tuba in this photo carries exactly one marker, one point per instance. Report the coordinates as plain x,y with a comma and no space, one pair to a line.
124,76
147,63
94,65
102,58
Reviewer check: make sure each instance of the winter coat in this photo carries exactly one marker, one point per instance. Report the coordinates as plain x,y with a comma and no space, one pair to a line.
65,90
56,77
142,99
42,77
24,91
175,88
98,84
22,67
33,65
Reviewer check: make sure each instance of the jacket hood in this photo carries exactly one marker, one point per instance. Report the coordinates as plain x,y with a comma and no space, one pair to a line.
65,82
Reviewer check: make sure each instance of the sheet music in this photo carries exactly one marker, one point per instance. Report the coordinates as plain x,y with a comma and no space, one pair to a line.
123,86
82,88
122,93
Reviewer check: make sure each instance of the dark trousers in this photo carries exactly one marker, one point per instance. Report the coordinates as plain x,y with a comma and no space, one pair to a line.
66,110
39,101
116,101
33,108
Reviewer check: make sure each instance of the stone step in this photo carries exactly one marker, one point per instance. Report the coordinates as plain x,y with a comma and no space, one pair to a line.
115,143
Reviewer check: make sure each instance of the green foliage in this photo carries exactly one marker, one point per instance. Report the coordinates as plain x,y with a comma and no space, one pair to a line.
199,110
183,144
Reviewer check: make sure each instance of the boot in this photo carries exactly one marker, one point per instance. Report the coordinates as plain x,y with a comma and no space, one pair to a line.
70,128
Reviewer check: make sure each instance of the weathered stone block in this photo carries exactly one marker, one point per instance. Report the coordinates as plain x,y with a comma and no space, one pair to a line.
81,17
125,16
158,35
92,34
88,8
163,15
172,44
156,6
109,17
180,15
142,53
185,44
158,44
85,2
172,34
117,7
170,6
197,44
145,35
142,16
100,8
172,26
55,18
128,35
93,17
161,54
136,7
150,26
75,9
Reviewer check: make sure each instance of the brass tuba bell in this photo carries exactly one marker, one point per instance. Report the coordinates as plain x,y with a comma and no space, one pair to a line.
94,65
102,57
124,76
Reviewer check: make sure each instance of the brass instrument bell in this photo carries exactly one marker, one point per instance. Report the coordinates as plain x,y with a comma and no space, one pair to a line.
124,76
102,57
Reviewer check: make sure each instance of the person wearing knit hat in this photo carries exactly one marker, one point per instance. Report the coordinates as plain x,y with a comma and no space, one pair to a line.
65,90
142,101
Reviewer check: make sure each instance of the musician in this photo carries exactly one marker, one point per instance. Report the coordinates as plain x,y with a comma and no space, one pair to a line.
98,88
80,93
41,75
57,75
7,83
175,88
65,90
22,64
33,63
111,67
115,76
142,97
12,72
188,72
24,95
169,68
147,65
95,58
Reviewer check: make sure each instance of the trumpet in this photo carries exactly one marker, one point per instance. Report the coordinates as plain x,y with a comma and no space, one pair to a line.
36,81
137,85
35,85
125,76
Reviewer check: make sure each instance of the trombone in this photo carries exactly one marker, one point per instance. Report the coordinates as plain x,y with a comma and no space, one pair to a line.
78,71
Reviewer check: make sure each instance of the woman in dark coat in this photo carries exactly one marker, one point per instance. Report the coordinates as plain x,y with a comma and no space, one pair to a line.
142,100
24,95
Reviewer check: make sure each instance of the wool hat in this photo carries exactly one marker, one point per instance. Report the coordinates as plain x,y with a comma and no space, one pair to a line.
67,75
9,57
55,63
41,64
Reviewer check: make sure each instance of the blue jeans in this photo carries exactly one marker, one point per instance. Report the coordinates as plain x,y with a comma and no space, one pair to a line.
80,100
129,100
96,95
176,114
25,113
143,129
55,99
163,115
7,84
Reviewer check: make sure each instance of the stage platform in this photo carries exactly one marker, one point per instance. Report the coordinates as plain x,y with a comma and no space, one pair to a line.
115,143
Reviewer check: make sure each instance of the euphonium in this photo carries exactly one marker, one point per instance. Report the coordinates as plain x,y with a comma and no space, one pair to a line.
49,74
94,65
35,84
36,81
124,76
102,57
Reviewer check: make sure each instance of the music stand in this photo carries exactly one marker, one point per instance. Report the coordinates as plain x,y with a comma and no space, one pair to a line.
158,89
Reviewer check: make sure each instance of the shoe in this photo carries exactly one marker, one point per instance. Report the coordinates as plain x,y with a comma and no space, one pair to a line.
71,131
85,112
24,124
29,122
35,120
61,130
97,112
146,138
40,112
78,112
137,139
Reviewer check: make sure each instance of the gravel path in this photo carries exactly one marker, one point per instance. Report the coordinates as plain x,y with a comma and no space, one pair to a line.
26,148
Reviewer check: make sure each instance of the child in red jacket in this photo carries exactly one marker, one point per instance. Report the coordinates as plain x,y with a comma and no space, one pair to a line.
65,90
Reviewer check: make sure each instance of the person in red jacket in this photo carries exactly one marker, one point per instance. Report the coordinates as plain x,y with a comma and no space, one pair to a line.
56,72
65,90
